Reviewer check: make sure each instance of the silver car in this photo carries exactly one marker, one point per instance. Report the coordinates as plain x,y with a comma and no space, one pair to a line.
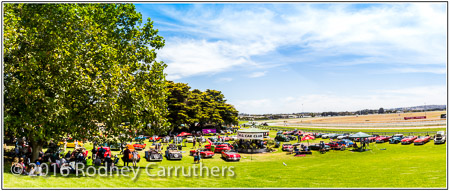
439,138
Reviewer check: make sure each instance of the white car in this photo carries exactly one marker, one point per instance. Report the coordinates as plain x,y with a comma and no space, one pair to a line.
439,138
190,139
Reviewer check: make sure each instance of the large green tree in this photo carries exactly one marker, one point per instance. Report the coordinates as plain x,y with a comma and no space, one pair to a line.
70,66
196,107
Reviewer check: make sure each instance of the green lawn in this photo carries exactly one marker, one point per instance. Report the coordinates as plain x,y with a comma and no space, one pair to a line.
384,166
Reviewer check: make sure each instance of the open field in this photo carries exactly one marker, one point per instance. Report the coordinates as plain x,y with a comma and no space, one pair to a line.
384,166
375,121
387,131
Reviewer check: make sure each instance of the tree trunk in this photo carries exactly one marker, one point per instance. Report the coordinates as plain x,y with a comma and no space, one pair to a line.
36,146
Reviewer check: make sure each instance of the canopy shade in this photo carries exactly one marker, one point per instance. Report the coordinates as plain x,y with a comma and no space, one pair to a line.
183,134
308,137
252,130
252,133
359,135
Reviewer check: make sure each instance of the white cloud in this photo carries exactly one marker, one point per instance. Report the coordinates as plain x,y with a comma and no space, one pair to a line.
420,70
410,96
224,79
399,34
257,74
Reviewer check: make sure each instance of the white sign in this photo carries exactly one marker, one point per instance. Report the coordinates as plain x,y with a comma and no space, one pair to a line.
258,136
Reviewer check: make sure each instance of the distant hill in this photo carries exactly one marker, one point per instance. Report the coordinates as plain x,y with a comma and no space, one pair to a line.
421,107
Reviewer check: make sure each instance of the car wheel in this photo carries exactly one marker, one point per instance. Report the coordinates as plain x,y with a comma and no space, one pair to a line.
382,141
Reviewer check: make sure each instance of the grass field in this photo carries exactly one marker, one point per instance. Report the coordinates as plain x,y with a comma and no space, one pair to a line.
374,118
384,166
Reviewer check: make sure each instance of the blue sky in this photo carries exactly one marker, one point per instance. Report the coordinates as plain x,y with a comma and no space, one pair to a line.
311,57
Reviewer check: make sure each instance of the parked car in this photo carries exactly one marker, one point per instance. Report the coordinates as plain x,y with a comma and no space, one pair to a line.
213,139
329,136
231,156
287,147
219,147
409,139
204,153
439,138
115,146
172,153
342,137
382,139
106,152
153,139
70,143
421,140
316,147
291,137
397,138
226,139
201,139
232,138
373,138
333,135
282,138
154,144
139,146
139,138
294,132
166,139
153,156
318,135
190,139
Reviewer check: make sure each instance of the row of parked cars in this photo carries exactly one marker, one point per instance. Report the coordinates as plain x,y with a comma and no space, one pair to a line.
439,138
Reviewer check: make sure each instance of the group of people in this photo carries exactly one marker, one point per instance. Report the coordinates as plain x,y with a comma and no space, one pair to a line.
130,155
194,142
197,156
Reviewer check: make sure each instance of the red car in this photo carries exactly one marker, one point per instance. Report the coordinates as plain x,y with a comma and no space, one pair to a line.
373,139
382,139
408,139
139,146
422,140
231,156
287,147
105,153
204,152
219,147
153,139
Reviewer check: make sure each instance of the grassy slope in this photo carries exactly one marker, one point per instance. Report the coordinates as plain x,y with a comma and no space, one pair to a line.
397,166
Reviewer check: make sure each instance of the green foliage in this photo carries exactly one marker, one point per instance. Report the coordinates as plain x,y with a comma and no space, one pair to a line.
70,66
191,107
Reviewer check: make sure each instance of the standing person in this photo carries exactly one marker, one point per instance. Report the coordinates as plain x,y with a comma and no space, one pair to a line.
195,140
135,158
65,145
89,161
126,156
94,152
213,148
199,157
364,144
195,157
299,138
76,144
